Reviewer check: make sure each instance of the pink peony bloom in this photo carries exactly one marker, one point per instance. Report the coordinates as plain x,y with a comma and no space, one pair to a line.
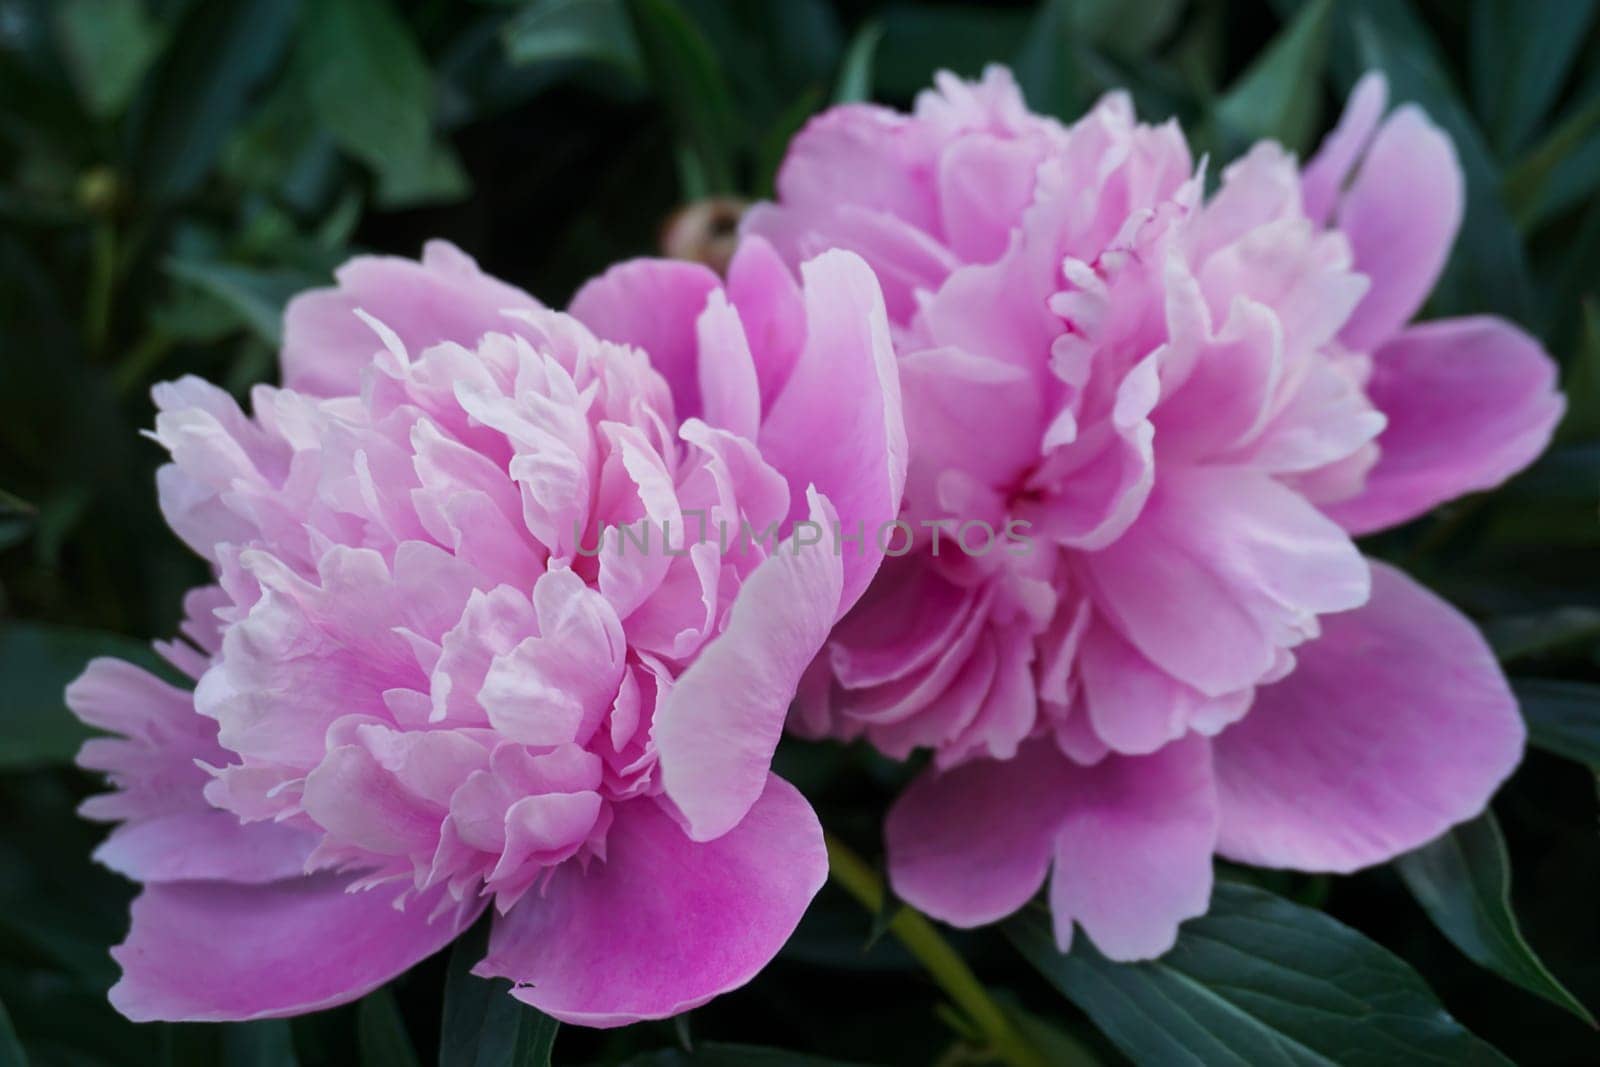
432,675
1144,426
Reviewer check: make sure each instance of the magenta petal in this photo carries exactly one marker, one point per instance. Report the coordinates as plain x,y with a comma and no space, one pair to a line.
205,842
662,924
653,304
1325,175
1470,402
1401,215
1133,853
717,728
972,845
1395,725
838,423
218,951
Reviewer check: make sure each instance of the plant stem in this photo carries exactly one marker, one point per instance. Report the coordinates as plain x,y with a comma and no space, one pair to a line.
942,962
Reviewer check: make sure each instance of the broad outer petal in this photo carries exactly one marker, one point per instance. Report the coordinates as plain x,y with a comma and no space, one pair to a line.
1133,852
838,423
1401,215
662,924
653,304
219,951
205,842
973,844
717,728
1469,401
1395,725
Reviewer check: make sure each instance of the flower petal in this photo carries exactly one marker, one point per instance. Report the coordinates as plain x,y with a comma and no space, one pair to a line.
1325,174
653,304
1133,853
1395,725
218,951
443,298
1401,215
663,924
838,424
717,729
1469,401
971,845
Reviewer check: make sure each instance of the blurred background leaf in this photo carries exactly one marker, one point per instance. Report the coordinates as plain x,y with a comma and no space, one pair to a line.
172,171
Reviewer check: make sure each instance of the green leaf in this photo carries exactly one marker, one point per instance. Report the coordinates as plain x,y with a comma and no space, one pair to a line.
1463,881
109,45
716,1054
1560,171
484,1025
1256,980
686,75
202,86
1520,56
1514,637
855,73
1278,96
552,30
918,40
1582,384
256,297
11,1053
384,1041
1563,717
266,1043
37,661
369,85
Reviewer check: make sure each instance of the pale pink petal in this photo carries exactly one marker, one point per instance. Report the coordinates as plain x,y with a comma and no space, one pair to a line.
662,924
772,311
653,304
717,729
557,686
219,951
838,425
1401,215
1395,725
443,298
1469,401
1133,852
953,399
730,394
1223,570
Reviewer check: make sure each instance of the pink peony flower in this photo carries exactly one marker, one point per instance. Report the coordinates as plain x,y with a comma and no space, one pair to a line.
432,675
1144,426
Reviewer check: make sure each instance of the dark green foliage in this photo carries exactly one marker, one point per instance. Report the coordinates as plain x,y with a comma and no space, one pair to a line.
171,171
